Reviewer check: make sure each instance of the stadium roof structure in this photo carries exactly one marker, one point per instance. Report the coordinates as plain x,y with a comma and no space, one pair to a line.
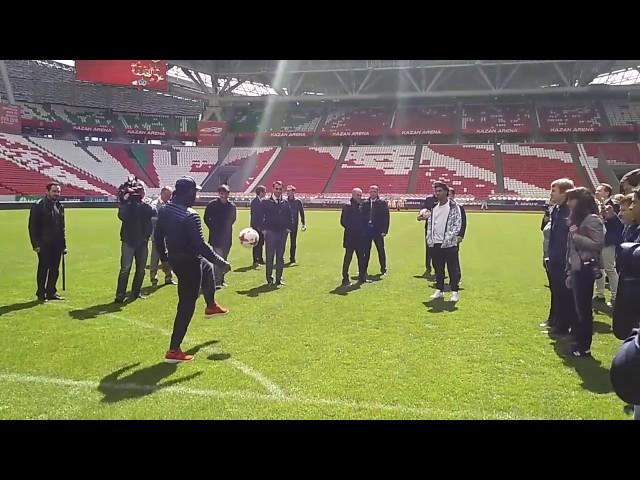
321,80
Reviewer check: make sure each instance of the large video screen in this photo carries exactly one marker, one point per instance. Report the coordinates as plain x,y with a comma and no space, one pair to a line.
150,74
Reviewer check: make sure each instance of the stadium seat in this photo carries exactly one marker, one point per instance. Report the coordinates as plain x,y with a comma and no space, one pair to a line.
623,116
470,169
388,167
356,121
424,120
308,168
569,118
196,162
529,169
481,119
244,159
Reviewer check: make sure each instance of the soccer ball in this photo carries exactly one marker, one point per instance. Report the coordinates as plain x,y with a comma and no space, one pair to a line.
249,237
424,214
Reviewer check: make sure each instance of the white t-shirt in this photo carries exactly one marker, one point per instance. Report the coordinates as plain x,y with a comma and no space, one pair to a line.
439,221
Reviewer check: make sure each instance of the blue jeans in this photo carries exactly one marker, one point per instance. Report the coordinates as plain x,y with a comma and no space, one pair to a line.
128,253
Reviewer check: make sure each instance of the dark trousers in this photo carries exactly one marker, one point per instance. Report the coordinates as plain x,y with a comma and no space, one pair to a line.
362,263
449,257
378,239
127,255
427,256
551,318
223,251
193,275
257,250
274,245
563,306
48,269
582,287
294,244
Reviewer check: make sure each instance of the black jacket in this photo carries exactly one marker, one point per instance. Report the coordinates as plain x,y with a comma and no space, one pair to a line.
179,237
429,203
376,216
463,228
355,227
136,223
220,217
255,214
625,313
46,224
558,235
297,209
276,217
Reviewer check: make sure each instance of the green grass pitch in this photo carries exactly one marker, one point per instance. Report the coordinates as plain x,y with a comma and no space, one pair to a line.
305,351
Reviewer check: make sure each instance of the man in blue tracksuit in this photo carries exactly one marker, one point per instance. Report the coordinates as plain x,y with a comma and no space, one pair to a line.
179,239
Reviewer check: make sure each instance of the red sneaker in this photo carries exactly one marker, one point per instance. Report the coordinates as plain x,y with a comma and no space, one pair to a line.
177,356
215,311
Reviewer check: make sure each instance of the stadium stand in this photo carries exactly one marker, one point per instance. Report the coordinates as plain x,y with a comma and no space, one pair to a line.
144,157
122,154
570,118
245,122
308,168
151,125
356,121
470,169
623,116
479,119
192,161
592,155
23,153
388,167
38,116
529,169
187,127
425,120
72,153
251,162
108,167
84,119
296,123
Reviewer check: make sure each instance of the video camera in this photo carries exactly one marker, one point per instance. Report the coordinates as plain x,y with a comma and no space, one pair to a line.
131,191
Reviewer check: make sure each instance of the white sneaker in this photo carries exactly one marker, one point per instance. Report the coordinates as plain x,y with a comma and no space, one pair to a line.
437,294
454,296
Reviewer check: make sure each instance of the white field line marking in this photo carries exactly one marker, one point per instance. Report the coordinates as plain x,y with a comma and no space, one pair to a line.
271,387
238,394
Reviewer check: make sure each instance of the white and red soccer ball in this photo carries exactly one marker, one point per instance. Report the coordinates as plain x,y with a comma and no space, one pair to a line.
249,237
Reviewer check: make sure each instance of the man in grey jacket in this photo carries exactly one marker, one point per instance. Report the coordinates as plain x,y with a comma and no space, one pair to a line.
443,230
157,205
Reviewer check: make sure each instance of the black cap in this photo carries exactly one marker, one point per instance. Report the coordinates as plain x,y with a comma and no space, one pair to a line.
224,188
186,184
625,371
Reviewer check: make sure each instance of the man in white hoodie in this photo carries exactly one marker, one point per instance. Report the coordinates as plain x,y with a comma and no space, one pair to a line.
443,230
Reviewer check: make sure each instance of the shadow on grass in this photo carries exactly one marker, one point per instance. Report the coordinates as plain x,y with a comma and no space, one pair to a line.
594,376
601,327
376,278
447,287
256,291
18,306
603,308
216,356
345,289
245,269
96,310
439,306
425,276
117,387
289,265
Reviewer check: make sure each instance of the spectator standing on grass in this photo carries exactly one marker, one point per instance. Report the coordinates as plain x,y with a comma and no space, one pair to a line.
546,234
135,232
354,239
463,231
427,205
376,212
563,307
48,240
261,192
219,216
157,205
609,210
297,210
586,239
277,222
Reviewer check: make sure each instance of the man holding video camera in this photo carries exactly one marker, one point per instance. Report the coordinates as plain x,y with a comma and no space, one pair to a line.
135,231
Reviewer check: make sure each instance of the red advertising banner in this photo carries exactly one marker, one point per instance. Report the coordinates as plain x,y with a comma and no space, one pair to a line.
151,74
211,133
10,118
